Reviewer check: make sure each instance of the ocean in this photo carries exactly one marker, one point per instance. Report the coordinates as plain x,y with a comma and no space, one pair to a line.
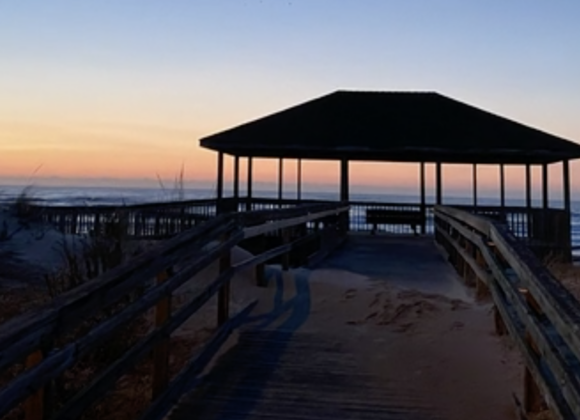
93,196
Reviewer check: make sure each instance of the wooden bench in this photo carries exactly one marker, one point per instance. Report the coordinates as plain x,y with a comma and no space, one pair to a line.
413,218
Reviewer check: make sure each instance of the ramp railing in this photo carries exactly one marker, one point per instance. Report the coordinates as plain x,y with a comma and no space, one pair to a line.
539,313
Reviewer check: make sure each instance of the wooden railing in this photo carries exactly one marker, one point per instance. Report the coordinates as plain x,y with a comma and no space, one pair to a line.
48,341
155,220
538,312
547,232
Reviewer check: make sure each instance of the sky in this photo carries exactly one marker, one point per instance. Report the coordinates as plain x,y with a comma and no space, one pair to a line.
120,91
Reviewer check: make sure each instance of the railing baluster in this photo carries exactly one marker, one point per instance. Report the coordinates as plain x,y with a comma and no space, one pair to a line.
224,292
285,241
34,407
161,351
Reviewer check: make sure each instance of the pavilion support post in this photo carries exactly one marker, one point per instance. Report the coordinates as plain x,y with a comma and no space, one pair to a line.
438,189
529,200
502,185
220,182
567,208
528,187
566,184
423,206
280,180
545,199
475,185
545,202
299,179
237,180
249,187
344,192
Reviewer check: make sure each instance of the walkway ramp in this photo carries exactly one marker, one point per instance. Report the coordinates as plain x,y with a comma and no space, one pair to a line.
316,350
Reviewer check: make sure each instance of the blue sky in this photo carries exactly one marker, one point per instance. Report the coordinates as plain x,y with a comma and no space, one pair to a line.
188,68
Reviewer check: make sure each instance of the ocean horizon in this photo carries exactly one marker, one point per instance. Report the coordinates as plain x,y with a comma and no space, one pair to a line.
121,195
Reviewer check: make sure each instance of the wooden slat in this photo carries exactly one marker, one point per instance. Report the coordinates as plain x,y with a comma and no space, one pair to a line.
476,222
479,272
250,232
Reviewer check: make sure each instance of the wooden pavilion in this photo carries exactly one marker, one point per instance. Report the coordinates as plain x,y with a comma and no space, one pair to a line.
417,127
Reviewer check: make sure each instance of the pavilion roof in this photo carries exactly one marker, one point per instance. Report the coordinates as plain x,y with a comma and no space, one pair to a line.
392,126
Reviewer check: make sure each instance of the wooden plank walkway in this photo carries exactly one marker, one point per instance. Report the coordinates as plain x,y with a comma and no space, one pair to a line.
301,358
281,375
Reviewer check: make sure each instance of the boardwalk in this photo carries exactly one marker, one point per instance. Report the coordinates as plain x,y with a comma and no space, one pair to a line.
323,344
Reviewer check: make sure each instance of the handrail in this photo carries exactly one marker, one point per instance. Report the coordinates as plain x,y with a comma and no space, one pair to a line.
541,315
174,262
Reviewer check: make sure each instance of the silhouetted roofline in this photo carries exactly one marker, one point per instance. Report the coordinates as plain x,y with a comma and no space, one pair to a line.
392,126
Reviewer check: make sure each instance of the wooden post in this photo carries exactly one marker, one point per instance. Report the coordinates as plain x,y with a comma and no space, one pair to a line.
224,292
481,290
236,178
528,201
545,198
34,407
545,202
344,180
286,256
423,206
261,275
500,328
161,350
249,188
220,182
567,208
261,268
438,182
533,400
280,180
566,184
299,180
475,185
344,194
528,187
502,185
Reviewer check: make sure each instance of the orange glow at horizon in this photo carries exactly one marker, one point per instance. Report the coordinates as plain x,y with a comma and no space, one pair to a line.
133,151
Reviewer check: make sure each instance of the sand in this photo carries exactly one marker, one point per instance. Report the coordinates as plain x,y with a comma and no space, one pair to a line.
31,249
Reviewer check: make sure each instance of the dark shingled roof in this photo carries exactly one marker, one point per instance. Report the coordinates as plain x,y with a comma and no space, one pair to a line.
392,126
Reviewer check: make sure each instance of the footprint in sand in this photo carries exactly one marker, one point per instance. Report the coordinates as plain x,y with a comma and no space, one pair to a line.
457,325
350,293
